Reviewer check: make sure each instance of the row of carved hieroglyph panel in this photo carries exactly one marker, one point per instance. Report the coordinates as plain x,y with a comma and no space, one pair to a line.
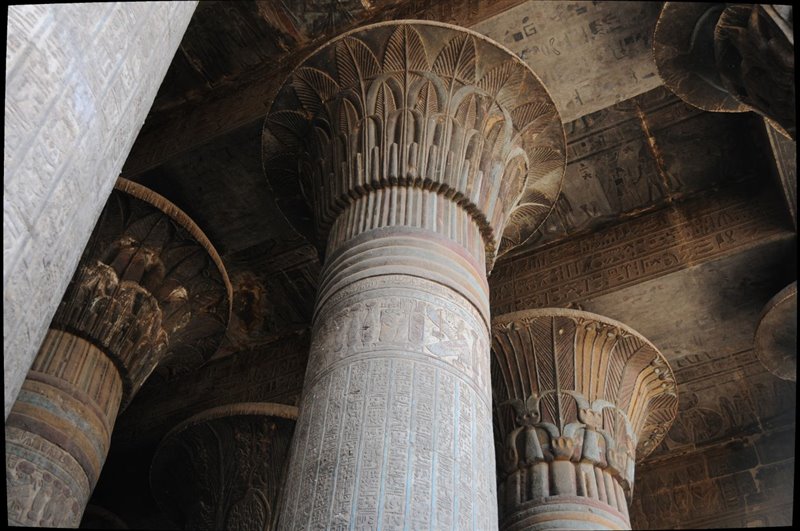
395,393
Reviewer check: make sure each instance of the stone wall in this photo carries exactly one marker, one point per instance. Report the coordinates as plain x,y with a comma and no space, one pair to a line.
80,80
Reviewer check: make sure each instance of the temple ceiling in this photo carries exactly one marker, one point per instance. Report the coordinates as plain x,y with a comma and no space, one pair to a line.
671,219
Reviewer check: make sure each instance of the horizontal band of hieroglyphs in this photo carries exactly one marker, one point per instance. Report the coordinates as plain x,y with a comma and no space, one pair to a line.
402,314
632,252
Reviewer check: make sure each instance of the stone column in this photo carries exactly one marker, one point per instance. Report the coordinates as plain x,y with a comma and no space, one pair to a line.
730,58
405,149
578,399
224,468
80,80
149,290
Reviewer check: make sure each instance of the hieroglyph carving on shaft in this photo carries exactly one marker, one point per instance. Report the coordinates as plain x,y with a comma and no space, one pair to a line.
149,289
412,153
224,468
578,399
730,58
416,104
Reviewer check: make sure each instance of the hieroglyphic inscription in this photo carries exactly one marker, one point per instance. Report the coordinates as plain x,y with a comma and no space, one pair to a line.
568,41
720,397
405,124
60,427
80,79
394,313
642,153
46,486
642,249
398,379
732,483
391,457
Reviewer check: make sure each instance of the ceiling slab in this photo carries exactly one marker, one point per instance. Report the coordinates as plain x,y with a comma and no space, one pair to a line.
589,55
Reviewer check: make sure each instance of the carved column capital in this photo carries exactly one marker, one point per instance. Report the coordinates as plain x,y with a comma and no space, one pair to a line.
412,153
224,468
416,104
775,342
729,58
578,399
150,289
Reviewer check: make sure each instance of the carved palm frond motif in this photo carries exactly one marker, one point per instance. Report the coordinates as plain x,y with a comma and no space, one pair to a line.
566,373
416,104
223,468
150,289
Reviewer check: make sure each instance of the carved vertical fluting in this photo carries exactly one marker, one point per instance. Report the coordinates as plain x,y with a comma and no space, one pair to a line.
578,399
149,290
224,468
412,153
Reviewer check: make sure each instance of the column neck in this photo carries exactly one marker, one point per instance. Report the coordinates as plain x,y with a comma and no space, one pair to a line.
407,231
415,105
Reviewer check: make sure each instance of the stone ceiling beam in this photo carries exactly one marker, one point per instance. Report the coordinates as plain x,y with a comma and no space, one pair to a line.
687,234
80,79
593,55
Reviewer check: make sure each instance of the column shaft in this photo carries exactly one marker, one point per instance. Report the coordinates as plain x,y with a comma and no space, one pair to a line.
397,403
149,290
58,432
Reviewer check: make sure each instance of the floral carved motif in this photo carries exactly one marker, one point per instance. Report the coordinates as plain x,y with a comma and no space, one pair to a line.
571,386
729,58
775,342
224,468
416,104
149,288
